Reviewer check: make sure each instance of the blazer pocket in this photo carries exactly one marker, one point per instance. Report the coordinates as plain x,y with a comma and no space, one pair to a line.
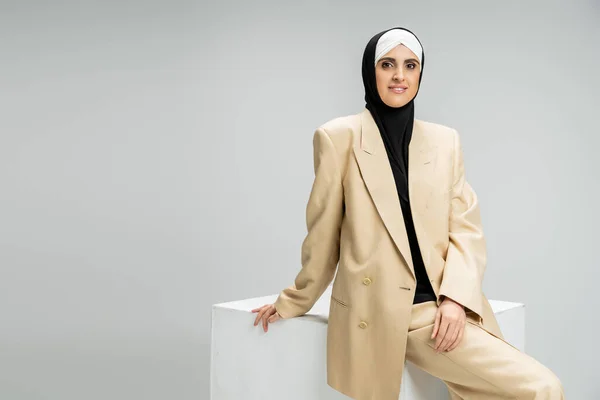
340,302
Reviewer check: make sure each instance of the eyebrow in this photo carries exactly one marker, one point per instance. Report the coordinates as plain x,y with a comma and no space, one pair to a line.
394,60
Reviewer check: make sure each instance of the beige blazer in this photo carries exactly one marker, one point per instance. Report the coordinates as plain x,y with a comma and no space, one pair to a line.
354,217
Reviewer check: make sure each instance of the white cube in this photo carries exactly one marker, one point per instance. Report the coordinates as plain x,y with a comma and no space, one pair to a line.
289,361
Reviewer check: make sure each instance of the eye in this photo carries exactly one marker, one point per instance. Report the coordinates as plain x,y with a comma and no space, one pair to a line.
411,65
386,63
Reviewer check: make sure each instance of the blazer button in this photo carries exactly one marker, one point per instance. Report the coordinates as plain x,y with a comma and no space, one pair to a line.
366,281
362,325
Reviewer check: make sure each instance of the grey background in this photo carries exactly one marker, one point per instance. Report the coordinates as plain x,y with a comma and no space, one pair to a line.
156,158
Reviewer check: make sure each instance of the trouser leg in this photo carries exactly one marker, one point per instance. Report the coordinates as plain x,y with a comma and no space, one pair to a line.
453,394
482,366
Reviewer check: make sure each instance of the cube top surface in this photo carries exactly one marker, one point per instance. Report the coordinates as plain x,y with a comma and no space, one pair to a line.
321,307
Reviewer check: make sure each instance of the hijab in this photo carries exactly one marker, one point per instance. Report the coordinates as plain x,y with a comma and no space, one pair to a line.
395,124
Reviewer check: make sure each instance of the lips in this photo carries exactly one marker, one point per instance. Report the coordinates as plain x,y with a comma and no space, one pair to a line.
398,89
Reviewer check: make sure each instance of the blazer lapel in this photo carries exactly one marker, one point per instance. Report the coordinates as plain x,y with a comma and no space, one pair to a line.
378,177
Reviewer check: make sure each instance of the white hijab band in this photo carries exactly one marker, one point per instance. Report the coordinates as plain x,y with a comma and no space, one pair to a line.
393,38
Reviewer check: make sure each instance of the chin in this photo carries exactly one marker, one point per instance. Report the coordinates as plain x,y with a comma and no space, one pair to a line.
396,103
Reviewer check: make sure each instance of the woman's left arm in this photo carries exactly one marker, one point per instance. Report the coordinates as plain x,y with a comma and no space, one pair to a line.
466,257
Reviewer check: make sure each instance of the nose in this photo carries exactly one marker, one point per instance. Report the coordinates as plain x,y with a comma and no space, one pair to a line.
398,75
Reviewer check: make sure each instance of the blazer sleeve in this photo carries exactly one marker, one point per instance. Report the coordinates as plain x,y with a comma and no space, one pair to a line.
466,258
320,251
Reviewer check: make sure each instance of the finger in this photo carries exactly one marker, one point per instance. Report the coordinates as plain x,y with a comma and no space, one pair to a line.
257,319
265,323
436,325
449,334
459,333
442,333
266,318
274,317
453,337
258,316
458,339
271,316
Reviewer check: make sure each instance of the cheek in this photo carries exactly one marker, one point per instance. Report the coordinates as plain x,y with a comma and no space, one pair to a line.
415,85
381,86
382,78
416,79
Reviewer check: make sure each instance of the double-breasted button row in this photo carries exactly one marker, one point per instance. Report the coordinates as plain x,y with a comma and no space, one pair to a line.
366,281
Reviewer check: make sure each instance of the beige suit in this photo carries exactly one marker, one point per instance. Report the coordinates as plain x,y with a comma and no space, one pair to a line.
354,218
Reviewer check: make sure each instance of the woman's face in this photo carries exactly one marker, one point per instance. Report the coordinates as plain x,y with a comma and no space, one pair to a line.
397,75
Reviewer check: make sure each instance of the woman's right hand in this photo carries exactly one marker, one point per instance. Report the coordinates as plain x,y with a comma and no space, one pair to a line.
267,314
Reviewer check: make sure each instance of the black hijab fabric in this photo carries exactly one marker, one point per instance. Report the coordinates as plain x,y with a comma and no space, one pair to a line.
395,124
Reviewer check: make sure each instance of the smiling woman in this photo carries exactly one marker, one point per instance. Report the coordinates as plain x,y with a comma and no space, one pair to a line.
398,75
392,218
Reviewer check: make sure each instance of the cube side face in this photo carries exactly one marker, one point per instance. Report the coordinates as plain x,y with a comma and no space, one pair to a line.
286,362
232,354
419,385
512,325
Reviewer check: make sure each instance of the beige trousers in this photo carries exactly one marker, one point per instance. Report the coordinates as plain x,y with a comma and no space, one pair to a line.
482,367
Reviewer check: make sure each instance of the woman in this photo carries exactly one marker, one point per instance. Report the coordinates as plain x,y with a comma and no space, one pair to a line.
390,202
